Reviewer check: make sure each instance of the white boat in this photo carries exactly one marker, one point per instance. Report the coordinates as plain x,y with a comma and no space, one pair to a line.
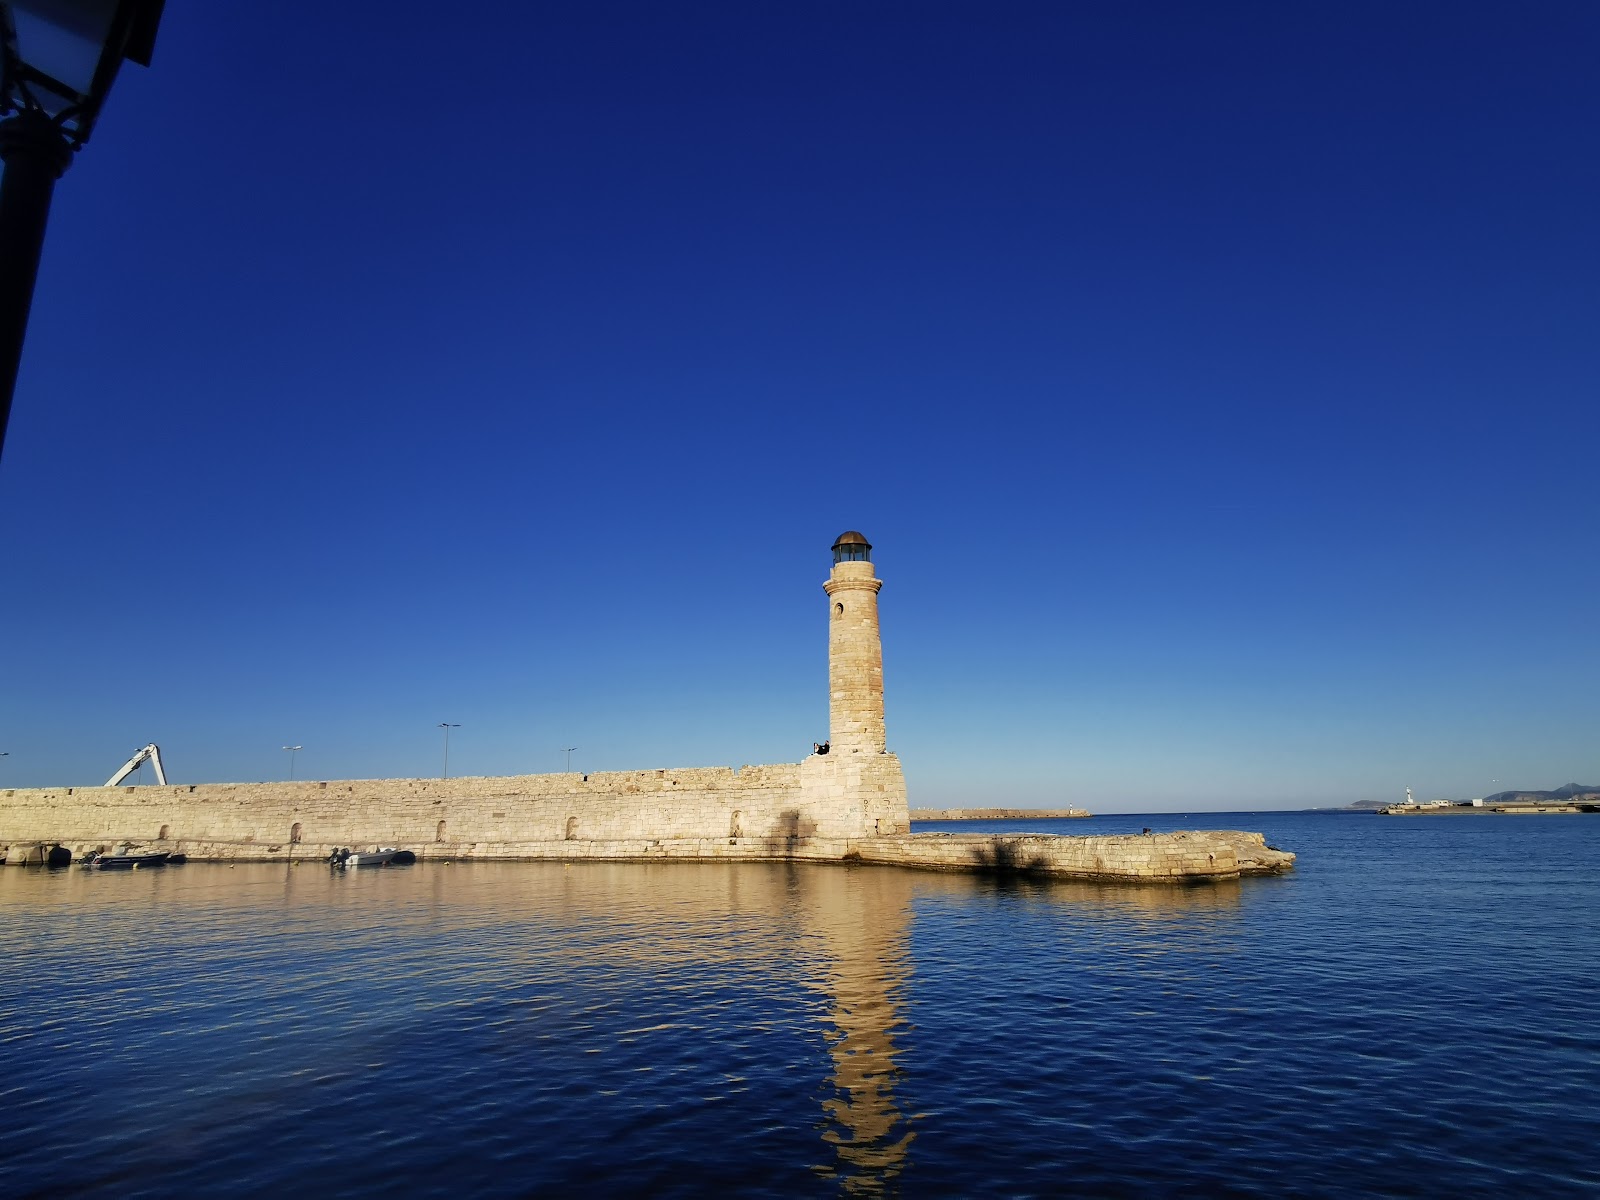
383,857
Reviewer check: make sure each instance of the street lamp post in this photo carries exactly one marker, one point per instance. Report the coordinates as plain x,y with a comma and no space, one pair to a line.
447,727
291,750
58,59
569,750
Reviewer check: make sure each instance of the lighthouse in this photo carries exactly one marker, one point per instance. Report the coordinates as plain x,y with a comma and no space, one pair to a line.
855,651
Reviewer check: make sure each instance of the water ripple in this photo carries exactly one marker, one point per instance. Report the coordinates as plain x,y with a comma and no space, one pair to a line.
1412,1012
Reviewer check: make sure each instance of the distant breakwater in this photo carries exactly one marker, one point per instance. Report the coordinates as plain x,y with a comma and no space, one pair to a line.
995,814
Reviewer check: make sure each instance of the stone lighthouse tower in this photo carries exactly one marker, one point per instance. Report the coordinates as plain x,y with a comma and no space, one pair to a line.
855,652
857,789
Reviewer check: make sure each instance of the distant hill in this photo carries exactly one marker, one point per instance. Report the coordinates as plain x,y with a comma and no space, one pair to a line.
1571,791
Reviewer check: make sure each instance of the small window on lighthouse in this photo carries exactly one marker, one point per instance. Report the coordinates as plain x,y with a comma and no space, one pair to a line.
838,610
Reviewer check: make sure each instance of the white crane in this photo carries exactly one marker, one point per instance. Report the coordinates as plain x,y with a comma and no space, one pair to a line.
153,753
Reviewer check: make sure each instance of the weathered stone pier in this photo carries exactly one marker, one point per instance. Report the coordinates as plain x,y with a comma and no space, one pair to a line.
845,805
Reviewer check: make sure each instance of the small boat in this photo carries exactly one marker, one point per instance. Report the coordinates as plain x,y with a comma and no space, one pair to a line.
124,861
386,856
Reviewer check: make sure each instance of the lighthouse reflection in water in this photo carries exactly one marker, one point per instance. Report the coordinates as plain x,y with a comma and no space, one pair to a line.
619,1026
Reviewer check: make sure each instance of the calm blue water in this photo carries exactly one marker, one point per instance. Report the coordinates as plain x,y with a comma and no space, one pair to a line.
1415,1011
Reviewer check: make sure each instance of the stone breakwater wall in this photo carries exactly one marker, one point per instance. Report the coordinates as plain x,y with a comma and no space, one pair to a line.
1145,858
1195,857
1211,855
848,808
824,796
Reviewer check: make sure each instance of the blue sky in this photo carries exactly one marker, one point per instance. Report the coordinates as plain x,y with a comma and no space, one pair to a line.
1216,384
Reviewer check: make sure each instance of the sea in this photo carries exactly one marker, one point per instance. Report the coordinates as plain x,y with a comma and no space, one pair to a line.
1413,1011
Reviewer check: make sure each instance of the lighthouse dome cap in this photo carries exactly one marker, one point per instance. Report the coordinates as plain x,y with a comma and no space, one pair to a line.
851,538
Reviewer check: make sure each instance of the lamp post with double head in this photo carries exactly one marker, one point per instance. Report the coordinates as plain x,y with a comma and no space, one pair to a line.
292,751
447,727
58,59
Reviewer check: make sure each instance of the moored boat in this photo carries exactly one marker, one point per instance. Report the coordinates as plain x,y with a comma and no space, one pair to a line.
124,861
387,856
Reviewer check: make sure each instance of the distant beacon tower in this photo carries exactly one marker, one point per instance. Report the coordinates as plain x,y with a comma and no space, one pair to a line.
855,652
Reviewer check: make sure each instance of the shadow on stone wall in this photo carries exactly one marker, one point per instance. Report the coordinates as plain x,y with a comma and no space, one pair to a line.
1004,857
788,831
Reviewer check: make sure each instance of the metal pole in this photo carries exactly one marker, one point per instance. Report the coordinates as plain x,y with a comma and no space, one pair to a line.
570,749
35,156
447,727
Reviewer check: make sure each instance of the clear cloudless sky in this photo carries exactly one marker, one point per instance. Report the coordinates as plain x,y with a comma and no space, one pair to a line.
1216,383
